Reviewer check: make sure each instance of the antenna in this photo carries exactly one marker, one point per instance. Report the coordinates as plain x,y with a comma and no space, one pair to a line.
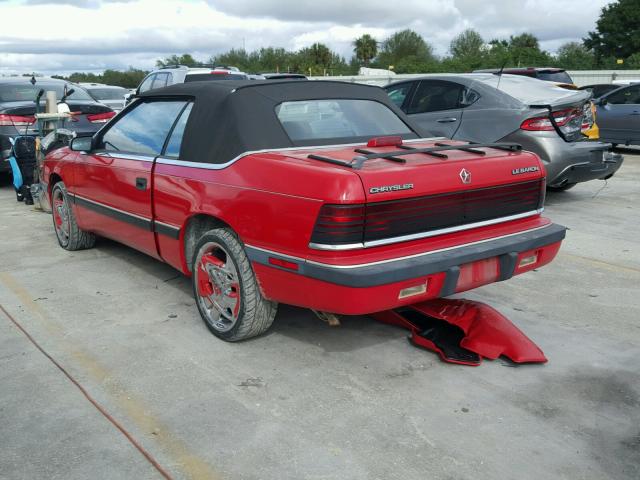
500,74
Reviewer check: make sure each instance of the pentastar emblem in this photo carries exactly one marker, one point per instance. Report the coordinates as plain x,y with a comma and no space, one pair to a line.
465,175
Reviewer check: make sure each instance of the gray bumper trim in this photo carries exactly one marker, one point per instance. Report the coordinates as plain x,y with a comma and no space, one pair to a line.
404,269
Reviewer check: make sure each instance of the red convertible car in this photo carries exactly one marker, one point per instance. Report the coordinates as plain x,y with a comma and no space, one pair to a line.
317,194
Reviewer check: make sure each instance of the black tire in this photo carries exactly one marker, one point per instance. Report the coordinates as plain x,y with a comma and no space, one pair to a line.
69,235
225,288
561,188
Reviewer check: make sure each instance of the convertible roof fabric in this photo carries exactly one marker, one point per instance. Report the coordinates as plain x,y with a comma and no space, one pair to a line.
233,117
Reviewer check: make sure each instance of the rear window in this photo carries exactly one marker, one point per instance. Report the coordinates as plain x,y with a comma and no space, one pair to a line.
25,92
203,77
108,93
560,77
340,118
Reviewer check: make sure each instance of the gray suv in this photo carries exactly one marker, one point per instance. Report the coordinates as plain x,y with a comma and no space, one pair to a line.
166,76
481,107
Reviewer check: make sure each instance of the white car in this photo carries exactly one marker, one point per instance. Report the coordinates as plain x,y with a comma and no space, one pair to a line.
109,95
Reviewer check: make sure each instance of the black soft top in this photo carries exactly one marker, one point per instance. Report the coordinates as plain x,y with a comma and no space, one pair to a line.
232,117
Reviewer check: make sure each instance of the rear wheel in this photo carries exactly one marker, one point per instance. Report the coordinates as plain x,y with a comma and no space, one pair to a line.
225,288
70,236
561,188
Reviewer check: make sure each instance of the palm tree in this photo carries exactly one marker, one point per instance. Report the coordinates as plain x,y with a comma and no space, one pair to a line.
365,48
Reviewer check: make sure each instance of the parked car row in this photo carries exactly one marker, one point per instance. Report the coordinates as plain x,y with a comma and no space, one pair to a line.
173,74
18,107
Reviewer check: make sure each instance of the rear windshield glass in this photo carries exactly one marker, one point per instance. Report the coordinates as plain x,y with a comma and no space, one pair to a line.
203,77
108,93
341,118
25,92
561,77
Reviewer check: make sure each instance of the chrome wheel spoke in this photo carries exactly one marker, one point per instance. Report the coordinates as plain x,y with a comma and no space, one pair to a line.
220,297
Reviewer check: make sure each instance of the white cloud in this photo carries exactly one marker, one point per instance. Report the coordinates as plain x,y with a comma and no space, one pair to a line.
97,34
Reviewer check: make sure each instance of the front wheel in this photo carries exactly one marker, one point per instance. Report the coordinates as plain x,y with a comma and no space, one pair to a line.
225,288
70,236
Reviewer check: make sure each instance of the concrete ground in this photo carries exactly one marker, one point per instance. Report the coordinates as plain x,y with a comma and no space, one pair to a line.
308,401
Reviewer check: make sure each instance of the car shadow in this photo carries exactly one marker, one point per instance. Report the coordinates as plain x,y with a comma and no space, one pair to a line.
161,271
354,332
300,324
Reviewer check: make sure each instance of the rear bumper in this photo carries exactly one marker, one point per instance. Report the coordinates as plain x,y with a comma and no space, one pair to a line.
597,169
360,289
573,162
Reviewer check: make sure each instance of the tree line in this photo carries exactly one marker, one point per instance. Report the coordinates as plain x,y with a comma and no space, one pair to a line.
616,38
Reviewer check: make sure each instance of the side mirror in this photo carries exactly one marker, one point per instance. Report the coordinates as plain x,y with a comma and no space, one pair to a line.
601,101
130,97
81,144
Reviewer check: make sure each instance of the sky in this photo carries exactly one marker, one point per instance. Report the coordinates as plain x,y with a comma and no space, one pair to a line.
64,36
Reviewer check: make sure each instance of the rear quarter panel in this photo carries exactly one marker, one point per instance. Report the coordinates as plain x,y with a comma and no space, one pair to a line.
269,200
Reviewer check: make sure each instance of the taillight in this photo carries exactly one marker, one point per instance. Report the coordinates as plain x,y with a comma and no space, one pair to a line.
100,117
568,120
16,120
543,192
339,225
589,116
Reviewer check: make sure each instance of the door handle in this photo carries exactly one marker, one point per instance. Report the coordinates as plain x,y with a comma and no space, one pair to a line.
141,183
447,120
635,113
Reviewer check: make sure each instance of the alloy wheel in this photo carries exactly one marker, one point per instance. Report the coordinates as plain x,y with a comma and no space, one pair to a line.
218,287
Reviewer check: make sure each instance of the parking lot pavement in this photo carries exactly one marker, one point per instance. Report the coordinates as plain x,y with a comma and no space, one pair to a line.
308,401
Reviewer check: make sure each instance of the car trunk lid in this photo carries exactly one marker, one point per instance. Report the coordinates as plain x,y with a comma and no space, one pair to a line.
415,194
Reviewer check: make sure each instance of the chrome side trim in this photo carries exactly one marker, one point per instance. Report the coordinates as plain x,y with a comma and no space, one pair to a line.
168,225
127,156
417,236
407,257
109,207
336,248
283,255
220,166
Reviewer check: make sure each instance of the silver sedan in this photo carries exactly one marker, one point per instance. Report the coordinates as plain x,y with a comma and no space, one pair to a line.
484,107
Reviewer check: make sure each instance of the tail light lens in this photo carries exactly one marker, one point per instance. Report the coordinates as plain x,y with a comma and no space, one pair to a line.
569,121
16,120
543,192
101,117
589,116
339,225
350,226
